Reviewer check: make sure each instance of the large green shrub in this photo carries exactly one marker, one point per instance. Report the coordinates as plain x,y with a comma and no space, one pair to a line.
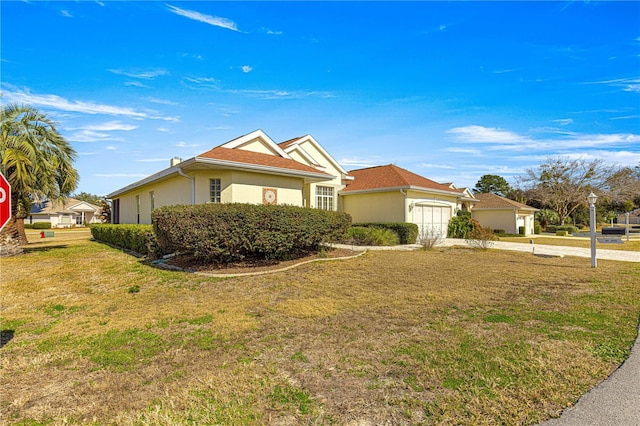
407,232
231,232
461,226
137,238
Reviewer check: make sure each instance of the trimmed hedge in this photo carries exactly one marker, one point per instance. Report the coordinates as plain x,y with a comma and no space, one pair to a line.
231,232
138,238
569,228
41,225
407,232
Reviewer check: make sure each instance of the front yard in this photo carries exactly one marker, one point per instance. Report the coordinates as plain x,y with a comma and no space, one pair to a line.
444,336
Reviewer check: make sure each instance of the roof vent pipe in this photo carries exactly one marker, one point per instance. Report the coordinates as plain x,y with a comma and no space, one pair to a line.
175,161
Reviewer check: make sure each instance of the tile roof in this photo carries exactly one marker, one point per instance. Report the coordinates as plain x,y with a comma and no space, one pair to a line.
390,176
285,144
257,158
493,201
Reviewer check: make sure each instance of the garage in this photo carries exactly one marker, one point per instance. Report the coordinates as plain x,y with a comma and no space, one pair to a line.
432,219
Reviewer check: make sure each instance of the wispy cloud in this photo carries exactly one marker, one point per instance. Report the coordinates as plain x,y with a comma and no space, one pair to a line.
563,121
201,83
12,94
456,150
96,132
207,19
627,84
141,74
359,162
183,144
160,101
66,14
284,94
247,69
270,32
110,126
493,139
492,135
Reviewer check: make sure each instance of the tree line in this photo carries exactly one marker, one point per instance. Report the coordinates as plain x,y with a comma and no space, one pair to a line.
559,187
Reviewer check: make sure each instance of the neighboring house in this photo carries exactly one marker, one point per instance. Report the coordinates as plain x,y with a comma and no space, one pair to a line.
249,169
496,212
634,218
65,213
392,194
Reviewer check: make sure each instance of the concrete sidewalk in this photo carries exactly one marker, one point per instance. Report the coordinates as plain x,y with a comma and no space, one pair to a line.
546,250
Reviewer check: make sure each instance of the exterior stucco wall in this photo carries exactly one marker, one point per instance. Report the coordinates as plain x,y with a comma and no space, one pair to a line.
176,190
236,187
497,219
247,188
375,207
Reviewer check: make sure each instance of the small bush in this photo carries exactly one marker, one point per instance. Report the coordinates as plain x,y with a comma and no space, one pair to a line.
232,232
522,230
28,226
429,237
481,238
499,231
41,225
561,233
407,232
363,236
137,238
537,228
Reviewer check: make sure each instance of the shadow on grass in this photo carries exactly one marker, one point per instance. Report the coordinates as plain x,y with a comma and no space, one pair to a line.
5,337
43,249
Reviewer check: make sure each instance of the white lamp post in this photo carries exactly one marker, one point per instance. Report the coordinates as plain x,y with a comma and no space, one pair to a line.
592,198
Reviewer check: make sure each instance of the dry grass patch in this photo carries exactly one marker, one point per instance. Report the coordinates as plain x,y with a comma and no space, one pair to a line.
448,335
632,245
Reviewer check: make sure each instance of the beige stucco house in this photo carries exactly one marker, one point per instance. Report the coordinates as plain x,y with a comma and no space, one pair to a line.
255,169
392,194
496,212
64,213
249,169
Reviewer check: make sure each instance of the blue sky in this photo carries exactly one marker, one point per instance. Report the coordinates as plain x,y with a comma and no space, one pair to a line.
451,91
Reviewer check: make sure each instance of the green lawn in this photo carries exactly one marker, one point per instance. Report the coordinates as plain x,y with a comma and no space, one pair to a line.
443,336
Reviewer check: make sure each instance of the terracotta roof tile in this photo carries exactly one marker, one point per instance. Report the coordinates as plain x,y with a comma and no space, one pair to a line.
493,201
390,176
257,158
285,144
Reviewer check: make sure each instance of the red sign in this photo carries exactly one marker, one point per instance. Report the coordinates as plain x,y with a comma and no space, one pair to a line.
5,201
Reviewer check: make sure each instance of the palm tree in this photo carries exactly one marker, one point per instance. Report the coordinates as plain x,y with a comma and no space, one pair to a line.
36,160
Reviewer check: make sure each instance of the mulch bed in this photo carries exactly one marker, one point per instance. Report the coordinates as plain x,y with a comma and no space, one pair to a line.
188,263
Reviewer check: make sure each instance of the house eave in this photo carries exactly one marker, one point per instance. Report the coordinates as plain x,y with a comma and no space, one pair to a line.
404,188
193,163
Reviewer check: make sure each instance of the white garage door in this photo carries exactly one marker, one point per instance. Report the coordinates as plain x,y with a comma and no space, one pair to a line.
432,219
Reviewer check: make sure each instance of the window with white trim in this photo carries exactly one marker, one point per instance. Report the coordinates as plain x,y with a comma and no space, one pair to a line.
215,188
324,197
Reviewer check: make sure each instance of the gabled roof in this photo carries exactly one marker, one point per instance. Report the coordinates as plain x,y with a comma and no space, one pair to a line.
68,205
487,201
257,158
391,177
295,144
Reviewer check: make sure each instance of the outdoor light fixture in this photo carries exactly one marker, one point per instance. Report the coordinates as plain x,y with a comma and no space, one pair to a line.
592,198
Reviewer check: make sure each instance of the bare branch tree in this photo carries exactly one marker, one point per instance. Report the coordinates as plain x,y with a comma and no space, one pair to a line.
562,184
